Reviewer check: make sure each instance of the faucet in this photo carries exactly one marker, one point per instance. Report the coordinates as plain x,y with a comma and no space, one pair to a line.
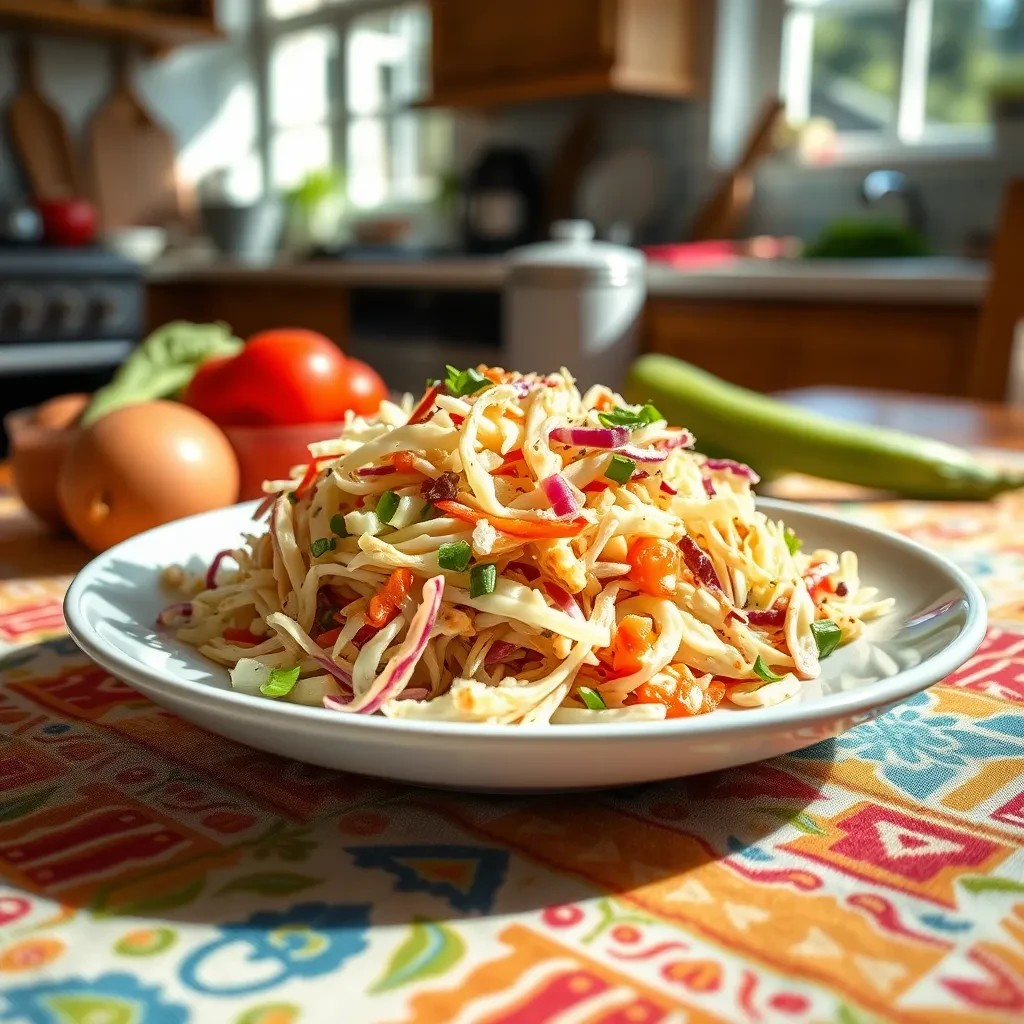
880,183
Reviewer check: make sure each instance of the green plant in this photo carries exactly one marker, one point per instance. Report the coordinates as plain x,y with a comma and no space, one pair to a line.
867,239
316,187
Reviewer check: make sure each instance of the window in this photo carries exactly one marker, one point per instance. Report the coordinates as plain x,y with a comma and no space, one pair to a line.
902,72
342,78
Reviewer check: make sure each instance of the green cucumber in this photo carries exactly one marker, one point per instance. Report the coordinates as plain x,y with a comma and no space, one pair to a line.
774,437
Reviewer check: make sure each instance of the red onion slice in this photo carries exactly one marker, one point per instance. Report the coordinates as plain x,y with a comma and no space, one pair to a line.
638,454
211,573
560,493
563,601
500,651
342,676
179,610
775,617
683,439
377,471
699,564
709,487
395,677
667,488
731,466
591,437
265,506
414,693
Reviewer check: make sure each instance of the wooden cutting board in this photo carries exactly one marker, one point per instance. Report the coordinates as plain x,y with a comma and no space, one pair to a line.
131,161
40,137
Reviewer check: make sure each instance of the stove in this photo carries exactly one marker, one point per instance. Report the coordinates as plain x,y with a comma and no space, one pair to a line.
68,318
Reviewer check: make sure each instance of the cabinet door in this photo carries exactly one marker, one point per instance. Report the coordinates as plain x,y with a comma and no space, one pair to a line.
481,41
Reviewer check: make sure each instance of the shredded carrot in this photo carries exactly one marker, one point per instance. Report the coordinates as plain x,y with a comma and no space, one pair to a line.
526,529
403,462
384,605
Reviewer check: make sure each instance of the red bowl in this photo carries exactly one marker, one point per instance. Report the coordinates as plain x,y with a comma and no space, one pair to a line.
270,452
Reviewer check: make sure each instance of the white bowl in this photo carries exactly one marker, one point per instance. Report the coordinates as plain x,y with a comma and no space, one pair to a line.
142,245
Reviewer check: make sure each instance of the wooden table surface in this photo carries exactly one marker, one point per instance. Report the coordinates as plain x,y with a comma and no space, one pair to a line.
27,546
956,420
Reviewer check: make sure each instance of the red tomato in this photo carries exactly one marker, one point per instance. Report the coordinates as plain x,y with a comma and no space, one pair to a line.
284,376
68,221
366,390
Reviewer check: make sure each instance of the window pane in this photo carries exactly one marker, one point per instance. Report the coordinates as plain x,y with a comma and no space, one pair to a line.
297,151
398,158
303,77
368,174
279,9
971,41
387,58
855,66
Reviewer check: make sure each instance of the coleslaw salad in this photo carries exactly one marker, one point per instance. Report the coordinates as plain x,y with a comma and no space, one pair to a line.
507,550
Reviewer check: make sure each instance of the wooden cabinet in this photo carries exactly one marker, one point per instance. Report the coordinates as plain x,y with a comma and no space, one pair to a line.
157,28
488,52
770,346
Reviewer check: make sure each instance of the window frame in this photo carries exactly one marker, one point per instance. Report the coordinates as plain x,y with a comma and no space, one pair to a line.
338,17
762,44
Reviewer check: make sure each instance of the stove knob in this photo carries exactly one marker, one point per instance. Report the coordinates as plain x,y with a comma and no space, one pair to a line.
23,310
107,310
70,309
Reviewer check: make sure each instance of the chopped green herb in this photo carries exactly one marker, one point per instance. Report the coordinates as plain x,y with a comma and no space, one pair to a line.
280,682
322,545
590,697
620,469
762,670
387,506
483,579
793,542
454,557
826,635
631,418
461,383
338,525
292,497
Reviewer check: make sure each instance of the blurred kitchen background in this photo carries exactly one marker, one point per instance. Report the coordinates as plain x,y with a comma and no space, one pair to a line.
363,168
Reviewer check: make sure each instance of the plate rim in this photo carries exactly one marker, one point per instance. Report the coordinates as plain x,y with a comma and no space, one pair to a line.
862,699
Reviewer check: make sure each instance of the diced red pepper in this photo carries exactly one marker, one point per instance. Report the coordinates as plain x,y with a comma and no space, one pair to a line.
236,635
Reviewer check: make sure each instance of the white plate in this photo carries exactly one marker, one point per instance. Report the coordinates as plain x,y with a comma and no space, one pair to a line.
938,623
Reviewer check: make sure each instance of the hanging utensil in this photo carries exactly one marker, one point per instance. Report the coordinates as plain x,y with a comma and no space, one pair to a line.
40,136
132,160
723,214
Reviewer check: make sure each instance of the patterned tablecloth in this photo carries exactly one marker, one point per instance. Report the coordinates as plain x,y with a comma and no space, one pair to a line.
152,872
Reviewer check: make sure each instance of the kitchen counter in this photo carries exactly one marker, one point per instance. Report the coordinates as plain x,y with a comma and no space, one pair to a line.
943,280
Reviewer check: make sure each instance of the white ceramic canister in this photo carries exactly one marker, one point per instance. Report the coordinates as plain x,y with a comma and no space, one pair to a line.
576,303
